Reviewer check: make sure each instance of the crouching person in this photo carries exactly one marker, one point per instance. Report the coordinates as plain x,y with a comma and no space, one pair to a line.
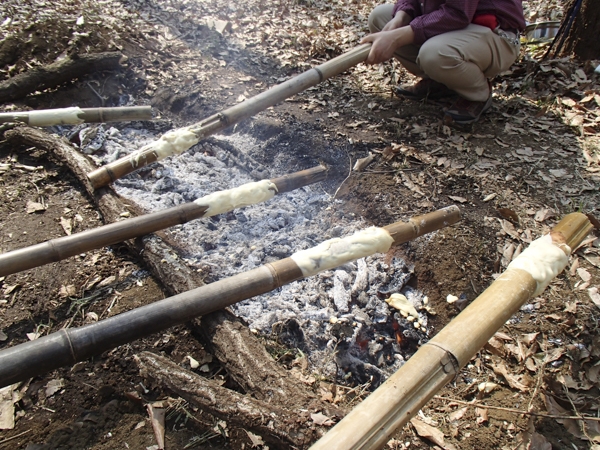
455,46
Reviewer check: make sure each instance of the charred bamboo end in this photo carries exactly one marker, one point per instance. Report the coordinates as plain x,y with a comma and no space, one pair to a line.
101,177
293,181
105,175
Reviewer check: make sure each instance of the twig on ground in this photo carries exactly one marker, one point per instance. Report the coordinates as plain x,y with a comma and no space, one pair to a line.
4,441
517,411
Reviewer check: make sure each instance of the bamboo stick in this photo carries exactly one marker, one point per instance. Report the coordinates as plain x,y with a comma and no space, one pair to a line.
76,115
371,424
68,346
67,246
189,136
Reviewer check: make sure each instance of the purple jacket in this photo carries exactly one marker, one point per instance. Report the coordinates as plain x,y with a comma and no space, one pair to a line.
433,17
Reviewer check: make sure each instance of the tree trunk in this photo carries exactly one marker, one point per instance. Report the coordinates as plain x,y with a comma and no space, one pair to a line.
583,36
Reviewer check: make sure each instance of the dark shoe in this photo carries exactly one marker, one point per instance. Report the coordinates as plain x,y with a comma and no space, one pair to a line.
464,111
424,89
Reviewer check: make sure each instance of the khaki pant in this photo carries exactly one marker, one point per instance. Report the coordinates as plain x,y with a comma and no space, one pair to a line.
463,60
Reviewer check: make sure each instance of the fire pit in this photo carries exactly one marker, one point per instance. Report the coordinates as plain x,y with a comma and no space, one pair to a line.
338,318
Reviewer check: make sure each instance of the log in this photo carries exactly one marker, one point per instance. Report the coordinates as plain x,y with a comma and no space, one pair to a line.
372,423
252,365
178,141
57,73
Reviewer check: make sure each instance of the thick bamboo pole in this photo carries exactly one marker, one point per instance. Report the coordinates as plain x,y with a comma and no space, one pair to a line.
67,246
76,115
371,424
178,141
71,345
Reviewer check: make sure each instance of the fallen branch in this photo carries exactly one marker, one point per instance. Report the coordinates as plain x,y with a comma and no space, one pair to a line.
57,73
517,411
277,425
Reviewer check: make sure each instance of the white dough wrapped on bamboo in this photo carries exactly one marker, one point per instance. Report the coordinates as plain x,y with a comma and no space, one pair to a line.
543,260
244,195
335,252
62,116
173,142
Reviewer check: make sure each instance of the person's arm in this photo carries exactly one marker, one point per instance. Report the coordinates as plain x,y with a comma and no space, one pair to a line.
401,19
410,7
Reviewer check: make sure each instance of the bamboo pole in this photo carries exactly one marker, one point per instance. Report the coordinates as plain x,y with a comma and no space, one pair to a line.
371,424
213,124
76,115
67,246
68,346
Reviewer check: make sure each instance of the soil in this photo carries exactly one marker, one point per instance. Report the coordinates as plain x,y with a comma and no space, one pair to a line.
187,71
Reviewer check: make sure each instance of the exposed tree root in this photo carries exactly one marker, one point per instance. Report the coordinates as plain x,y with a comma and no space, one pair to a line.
274,424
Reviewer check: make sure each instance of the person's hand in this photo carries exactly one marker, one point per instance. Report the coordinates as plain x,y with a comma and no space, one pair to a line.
401,19
385,43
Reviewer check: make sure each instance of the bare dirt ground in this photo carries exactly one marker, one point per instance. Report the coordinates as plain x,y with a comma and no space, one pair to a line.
531,160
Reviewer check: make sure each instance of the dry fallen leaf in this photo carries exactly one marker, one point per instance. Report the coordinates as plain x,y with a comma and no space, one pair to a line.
431,433
594,296
543,214
584,274
8,397
509,229
482,415
256,440
512,380
321,419
508,213
54,386
156,412
66,224
539,442
33,207
458,414
67,291
487,387
572,426
457,199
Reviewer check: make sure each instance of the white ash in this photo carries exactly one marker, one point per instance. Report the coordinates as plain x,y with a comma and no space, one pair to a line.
339,317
